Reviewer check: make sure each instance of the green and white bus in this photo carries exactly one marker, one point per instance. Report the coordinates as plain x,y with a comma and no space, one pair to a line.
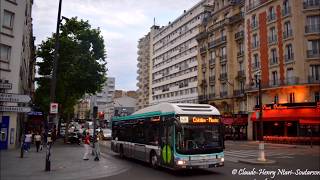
171,135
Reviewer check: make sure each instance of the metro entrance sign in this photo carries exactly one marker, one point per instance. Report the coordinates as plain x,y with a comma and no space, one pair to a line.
14,109
7,97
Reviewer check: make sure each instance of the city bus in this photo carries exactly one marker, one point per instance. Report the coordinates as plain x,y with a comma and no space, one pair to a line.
174,136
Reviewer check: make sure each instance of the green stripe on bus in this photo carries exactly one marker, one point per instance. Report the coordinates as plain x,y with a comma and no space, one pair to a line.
144,115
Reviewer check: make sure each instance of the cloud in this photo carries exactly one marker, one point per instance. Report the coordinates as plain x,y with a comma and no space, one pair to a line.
122,24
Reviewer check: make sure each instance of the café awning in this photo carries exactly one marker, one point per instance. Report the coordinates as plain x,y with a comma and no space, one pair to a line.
294,114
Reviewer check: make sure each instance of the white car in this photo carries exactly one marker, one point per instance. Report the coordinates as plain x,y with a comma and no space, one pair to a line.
107,134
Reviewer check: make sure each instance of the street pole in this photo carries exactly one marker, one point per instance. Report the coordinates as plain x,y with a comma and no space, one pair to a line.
54,82
261,142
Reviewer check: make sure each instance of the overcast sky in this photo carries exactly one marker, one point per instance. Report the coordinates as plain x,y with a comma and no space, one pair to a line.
122,22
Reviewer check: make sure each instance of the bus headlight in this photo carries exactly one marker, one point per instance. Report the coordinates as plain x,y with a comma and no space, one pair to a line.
222,159
181,162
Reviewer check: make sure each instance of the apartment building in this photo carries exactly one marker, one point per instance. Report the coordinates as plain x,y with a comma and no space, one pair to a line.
174,66
82,109
221,72
283,52
17,60
143,72
104,100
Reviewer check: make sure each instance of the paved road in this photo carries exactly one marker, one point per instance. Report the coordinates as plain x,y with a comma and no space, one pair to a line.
287,157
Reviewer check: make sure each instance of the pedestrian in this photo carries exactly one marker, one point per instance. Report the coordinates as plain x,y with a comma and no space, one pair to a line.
86,143
97,147
37,139
28,140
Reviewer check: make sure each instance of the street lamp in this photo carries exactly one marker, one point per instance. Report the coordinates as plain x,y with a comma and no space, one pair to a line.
261,156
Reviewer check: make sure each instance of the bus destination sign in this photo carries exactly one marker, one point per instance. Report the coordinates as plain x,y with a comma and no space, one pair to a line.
204,120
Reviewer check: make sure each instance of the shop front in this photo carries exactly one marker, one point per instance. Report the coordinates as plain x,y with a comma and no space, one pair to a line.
236,127
290,122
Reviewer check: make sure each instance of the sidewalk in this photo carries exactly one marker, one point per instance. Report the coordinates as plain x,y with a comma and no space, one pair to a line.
66,164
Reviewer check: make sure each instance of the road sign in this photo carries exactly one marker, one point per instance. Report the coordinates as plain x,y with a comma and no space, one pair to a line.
7,97
54,108
5,85
14,109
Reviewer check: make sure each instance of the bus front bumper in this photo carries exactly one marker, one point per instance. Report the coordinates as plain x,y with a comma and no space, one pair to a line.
210,163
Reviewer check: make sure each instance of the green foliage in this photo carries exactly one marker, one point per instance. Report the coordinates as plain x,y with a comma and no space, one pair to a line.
81,65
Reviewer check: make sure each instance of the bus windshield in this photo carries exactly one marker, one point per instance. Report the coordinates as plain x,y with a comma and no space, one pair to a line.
198,139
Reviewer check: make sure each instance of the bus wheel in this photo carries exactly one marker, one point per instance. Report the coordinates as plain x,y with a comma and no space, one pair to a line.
121,152
153,160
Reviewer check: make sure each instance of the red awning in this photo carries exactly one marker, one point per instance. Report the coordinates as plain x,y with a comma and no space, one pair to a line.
227,121
235,121
289,114
309,122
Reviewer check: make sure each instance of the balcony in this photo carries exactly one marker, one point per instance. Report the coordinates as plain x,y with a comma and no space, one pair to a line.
203,98
255,66
313,54
272,39
286,11
204,67
274,82
312,28
223,94
254,25
238,93
240,53
212,62
315,4
212,95
203,50
223,58
292,80
239,35
241,74
313,80
287,34
223,76
255,45
236,18
271,17
273,61
203,83
288,58
212,80
217,42
255,4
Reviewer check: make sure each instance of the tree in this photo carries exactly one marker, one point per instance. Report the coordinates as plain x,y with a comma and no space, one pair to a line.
81,66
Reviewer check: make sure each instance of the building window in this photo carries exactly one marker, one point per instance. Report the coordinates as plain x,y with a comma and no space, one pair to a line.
212,90
272,35
291,98
256,61
254,21
286,7
8,18
223,68
272,14
255,42
276,99
314,73
5,53
312,24
317,96
288,53
274,58
274,78
241,67
290,78
287,30
313,48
